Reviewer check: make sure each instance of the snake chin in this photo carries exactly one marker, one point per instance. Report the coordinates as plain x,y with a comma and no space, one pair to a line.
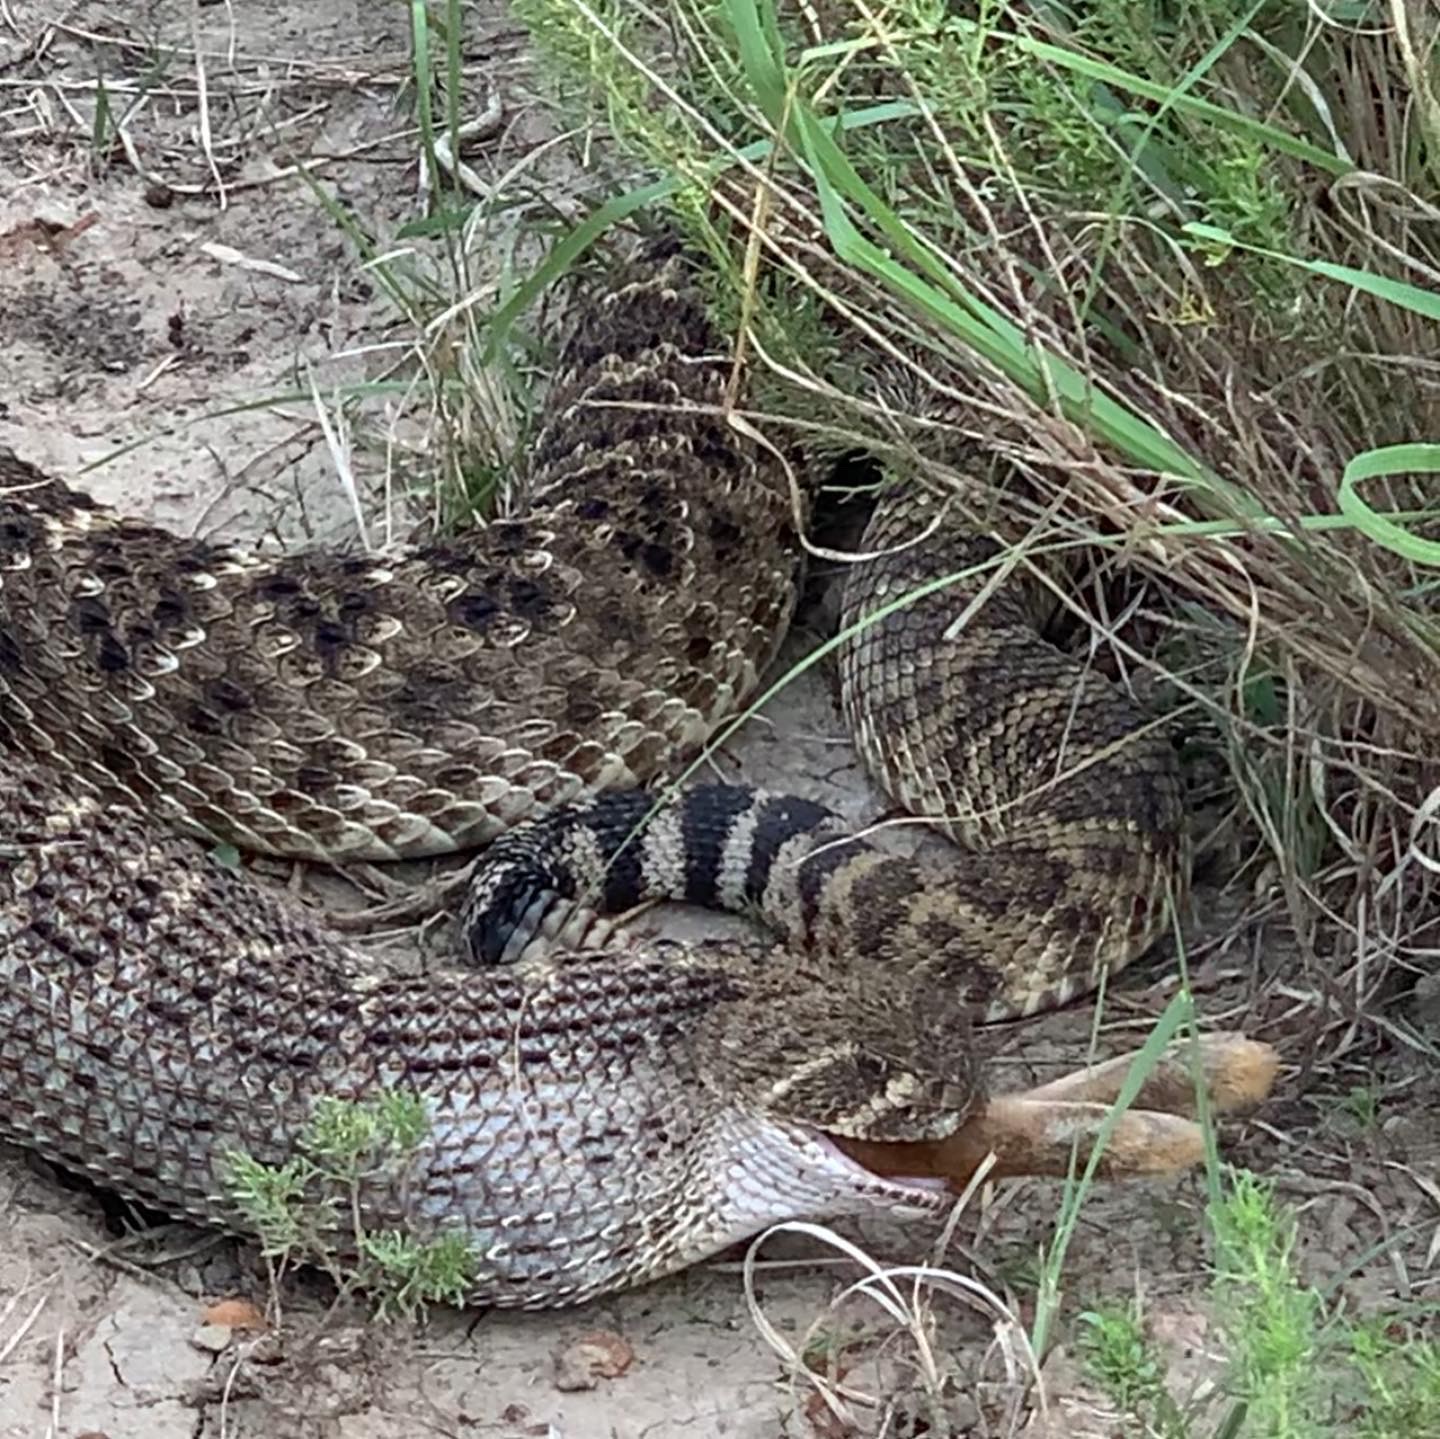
782,1173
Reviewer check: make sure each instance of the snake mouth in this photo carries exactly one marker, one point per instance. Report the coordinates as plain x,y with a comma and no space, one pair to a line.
870,1168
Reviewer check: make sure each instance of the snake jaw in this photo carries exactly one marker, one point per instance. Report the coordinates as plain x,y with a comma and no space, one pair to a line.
772,1172
922,1193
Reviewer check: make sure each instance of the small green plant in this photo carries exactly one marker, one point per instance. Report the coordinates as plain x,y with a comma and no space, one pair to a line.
1362,1104
1401,1376
1272,1321
1293,1367
1022,1271
825,1344
350,1138
311,1209
1119,1356
407,1276
270,1197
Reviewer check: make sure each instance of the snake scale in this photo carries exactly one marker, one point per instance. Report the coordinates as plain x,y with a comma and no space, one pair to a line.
603,1117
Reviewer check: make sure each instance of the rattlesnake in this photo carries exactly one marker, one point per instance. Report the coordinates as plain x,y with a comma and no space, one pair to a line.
156,1007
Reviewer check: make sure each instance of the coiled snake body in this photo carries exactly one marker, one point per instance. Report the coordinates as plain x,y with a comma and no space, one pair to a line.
610,1117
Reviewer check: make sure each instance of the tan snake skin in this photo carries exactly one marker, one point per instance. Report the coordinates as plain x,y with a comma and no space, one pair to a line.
614,1117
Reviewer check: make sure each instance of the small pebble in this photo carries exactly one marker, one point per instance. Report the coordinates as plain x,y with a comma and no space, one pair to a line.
1427,1003
213,1338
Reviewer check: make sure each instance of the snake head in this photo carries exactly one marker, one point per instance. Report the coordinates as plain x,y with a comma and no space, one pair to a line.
886,1059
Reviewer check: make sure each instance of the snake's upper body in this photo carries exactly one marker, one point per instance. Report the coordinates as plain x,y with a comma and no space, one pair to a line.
336,706
606,1117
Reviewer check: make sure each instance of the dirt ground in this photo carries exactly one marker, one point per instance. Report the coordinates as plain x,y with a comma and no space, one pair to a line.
149,295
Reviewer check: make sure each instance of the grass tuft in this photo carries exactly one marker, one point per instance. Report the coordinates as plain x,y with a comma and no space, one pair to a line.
1292,1365
310,1210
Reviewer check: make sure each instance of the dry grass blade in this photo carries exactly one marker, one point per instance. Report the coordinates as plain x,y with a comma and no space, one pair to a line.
902,1294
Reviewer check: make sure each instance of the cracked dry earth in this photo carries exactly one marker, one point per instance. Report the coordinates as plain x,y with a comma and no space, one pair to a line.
139,310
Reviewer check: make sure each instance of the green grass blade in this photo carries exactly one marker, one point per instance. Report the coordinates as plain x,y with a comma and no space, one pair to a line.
1231,120
1397,292
574,244
935,291
1178,1013
1375,464
563,254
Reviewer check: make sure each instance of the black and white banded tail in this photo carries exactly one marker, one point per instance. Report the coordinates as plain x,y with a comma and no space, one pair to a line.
725,847
1012,930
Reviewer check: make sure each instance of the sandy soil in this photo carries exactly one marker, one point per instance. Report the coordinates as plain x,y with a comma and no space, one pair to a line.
142,296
